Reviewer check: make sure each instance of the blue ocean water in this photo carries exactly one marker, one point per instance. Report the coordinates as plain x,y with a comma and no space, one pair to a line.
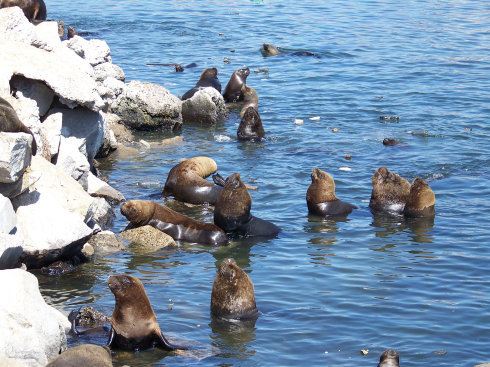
325,289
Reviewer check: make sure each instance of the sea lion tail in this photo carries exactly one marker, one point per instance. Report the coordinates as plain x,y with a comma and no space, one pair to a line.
205,166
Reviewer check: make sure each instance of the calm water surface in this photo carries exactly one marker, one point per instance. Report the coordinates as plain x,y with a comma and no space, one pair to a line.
325,289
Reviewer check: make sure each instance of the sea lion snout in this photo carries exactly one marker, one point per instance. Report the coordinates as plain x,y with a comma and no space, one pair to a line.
245,71
228,268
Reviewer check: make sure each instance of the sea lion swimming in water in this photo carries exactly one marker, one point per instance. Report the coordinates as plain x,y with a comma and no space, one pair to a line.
390,192
209,78
251,127
250,99
232,211
233,90
321,199
233,294
34,10
421,200
186,181
10,122
84,355
176,225
134,324
389,358
269,50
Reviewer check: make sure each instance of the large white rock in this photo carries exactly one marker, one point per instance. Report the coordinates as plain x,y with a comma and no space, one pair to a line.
98,188
7,215
69,76
14,189
15,155
108,70
70,159
147,106
110,89
47,35
34,90
31,331
206,106
11,247
94,51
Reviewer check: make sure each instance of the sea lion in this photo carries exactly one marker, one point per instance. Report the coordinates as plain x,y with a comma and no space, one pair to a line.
84,355
186,181
176,225
34,10
321,199
71,33
233,294
269,50
61,29
389,358
10,123
232,211
390,192
233,90
209,78
250,99
421,200
390,142
251,127
134,324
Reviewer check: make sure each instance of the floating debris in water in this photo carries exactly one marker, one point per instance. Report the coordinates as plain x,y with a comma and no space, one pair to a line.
345,168
315,118
364,352
222,138
261,70
299,121
389,118
226,60
334,129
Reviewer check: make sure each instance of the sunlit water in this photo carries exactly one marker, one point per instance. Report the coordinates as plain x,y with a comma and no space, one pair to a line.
325,289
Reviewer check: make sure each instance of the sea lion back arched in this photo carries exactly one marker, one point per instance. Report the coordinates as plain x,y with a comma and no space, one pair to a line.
10,122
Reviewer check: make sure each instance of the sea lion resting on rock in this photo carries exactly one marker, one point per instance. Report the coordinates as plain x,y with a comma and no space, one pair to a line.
250,99
186,181
84,355
390,192
233,294
10,122
251,127
134,324
321,199
34,10
389,358
421,200
232,211
233,90
209,78
176,225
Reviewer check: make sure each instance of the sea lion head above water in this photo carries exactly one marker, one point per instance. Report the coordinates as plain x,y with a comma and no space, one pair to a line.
250,99
389,358
233,90
269,50
233,294
421,200
208,78
134,324
251,127
390,192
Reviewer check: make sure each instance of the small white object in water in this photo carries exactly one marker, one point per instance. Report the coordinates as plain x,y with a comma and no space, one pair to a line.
221,138
335,129
345,168
315,118
145,143
299,121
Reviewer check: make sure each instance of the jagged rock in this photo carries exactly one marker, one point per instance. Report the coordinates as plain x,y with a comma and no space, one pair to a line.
110,142
98,188
122,133
110,89
15,155
34,90
14,189
32,332
11,247
52,128
7,215
47,36
94,51
108,70
206,106
100,212
15,26
71,160
106,242
148,238
146,106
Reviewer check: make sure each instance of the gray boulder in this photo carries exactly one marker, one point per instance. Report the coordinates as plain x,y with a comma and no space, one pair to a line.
15,155
106,242
146,106
206,106
7,215
147,238
94,51
98,188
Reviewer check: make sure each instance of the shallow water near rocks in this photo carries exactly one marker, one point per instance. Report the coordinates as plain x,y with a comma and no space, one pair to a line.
325,289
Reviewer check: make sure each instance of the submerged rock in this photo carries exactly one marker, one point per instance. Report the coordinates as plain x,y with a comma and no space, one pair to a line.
148,238
206,106
106,242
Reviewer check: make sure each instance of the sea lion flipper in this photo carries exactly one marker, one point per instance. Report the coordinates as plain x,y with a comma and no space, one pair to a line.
165,344
219,180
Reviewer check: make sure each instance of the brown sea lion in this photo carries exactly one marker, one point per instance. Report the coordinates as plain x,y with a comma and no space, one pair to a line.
71,33
269,50
84,355
209,78
389,358
321,199
233,294
250,99
134,324
421,200
233,90
34,10
390,192
10,122
176,225
232,211
186,181
251,127
390,142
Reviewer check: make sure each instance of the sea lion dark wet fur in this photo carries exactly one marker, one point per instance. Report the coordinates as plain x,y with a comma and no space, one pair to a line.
389,358
251,127
34,10
233,90
134,324
390,192
269,50
421,200
232,211
250,99
321,199
176,225
209,78
233,294
84,355
186,181
10,122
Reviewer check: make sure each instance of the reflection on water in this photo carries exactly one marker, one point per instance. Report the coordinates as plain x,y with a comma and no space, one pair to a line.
387,225
233,338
